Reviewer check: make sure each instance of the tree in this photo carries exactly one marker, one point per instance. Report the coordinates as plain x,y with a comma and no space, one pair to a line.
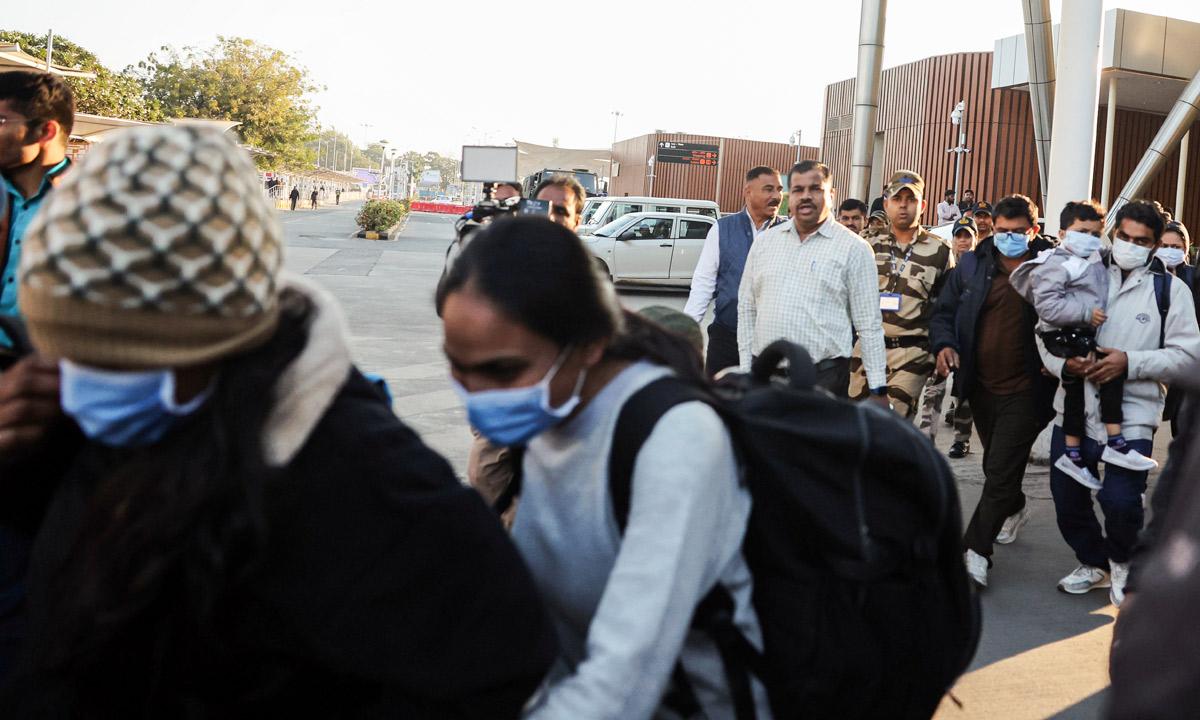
239,79
110,94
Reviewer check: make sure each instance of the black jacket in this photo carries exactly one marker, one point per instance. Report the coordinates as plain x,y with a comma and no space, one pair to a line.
385,589
956,319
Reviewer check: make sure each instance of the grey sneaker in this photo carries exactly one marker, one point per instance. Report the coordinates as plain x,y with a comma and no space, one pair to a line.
1014,523
1084,579
977,567
1079,474
1120,575
1130,459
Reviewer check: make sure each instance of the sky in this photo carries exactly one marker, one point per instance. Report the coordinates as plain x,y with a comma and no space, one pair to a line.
435,76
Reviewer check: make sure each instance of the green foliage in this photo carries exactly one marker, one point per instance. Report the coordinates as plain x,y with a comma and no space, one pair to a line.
379,215
239,79
110,94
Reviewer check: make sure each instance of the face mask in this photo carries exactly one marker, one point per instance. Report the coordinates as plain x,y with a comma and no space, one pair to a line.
514,416
1011,244
1171,257
122,409
1081,244
1129,256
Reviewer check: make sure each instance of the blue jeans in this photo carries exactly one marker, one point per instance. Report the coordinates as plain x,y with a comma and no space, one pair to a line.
1120,499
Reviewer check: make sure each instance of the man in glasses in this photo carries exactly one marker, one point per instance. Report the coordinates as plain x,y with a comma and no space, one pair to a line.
36,115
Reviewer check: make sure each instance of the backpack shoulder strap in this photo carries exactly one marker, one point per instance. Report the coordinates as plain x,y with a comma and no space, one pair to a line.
638,416
1162,296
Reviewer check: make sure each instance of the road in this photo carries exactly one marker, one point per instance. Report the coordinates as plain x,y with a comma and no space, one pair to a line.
1043,653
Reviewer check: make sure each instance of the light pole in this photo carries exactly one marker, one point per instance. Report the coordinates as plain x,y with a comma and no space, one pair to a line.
796,141
616,118
650,164
956,117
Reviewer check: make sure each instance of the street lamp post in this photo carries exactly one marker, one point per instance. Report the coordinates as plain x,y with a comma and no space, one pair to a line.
956,117
616,118
796,139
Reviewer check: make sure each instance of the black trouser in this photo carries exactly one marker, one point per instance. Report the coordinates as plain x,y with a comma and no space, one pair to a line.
722,349
294,203
1074,413
1008,425
834,375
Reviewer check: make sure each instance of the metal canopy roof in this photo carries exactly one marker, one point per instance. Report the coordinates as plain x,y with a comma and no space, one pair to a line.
12,57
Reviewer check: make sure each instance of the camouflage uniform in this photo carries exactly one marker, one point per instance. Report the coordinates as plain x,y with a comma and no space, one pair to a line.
917,274
931,410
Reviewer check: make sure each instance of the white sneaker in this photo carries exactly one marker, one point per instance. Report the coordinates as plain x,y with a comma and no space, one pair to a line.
1120,575
1081,475
1014,523
1084,579
1130,460
977,567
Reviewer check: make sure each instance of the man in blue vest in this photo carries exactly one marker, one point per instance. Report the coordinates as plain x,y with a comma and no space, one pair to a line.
36,115
719,270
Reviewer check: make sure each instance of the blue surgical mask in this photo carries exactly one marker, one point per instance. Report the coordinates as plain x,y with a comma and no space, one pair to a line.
122,409
1081,244
1011,244
514,416
1170,256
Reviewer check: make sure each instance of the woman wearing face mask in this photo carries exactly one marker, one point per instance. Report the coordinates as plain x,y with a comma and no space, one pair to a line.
1173,254
543,357
235,524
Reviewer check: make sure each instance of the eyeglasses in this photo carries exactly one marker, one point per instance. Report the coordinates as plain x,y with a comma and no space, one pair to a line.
4,120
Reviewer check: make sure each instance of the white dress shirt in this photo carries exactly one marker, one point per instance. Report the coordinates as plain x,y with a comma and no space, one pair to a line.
814,292
704,278
948,212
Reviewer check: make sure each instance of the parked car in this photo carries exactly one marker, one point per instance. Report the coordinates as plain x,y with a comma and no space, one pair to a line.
598,212
652,248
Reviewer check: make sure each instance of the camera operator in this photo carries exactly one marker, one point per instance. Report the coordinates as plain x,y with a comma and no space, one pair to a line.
566,197
505,190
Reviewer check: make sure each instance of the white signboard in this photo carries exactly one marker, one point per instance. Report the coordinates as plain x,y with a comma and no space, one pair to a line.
431,177
485,163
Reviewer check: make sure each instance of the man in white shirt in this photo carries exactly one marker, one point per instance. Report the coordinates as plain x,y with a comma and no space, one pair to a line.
948,210
719,270
814,282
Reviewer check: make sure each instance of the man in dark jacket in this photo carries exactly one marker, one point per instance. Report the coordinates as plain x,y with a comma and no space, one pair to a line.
295,196
984,332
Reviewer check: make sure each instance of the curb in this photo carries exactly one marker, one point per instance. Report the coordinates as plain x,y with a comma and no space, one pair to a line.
390,234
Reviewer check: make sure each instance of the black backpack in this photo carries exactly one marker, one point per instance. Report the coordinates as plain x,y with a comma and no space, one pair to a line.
854,543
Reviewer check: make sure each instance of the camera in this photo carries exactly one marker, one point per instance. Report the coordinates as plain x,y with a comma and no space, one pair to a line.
489,209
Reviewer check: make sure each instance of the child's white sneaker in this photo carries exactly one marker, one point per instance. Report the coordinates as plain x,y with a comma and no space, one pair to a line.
1130,459
1078,473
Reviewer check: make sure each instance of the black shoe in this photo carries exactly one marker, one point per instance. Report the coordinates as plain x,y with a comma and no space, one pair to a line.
949,419
959,450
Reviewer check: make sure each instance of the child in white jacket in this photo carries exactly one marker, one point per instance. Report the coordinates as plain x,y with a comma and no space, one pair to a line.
1068,287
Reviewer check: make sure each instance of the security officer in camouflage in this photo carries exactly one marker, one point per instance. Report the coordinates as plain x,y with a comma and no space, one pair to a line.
912,265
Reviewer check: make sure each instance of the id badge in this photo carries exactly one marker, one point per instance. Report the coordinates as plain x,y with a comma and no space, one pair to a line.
889,302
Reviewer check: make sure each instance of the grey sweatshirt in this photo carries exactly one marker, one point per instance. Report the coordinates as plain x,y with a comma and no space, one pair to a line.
1063,288
622,606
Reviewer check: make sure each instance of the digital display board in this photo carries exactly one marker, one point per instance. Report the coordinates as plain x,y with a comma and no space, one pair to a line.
687,153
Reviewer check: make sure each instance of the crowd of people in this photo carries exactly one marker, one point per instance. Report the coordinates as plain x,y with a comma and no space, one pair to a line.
206,509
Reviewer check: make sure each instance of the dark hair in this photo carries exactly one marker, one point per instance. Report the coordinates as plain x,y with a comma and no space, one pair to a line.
571,303
1014,207
968,191
567,183
1085,210
1180,229
808,166
852,205
39,96
1142,212
169,533
756,172
949,193
512,184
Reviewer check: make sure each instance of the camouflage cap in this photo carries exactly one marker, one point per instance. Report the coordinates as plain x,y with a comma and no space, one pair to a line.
880,216
965,223
905,179
674,321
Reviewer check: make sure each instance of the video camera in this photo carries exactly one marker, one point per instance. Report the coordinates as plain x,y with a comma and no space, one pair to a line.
489,209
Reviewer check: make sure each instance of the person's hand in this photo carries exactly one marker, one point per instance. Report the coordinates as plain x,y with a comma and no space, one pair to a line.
28,402
1078,366
947,360
1098,317
1111,367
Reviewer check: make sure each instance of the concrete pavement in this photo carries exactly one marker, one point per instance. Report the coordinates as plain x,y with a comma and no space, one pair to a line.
1043,653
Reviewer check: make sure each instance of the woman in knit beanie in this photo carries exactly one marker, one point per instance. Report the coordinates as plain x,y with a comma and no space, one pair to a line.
230,520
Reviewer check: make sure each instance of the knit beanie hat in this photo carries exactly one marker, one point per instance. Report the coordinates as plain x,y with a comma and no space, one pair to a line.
158,250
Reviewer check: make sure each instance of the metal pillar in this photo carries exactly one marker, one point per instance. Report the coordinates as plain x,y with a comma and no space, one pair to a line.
1076,99
1177,124
1181,181
1039,46
1110,124
872,22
